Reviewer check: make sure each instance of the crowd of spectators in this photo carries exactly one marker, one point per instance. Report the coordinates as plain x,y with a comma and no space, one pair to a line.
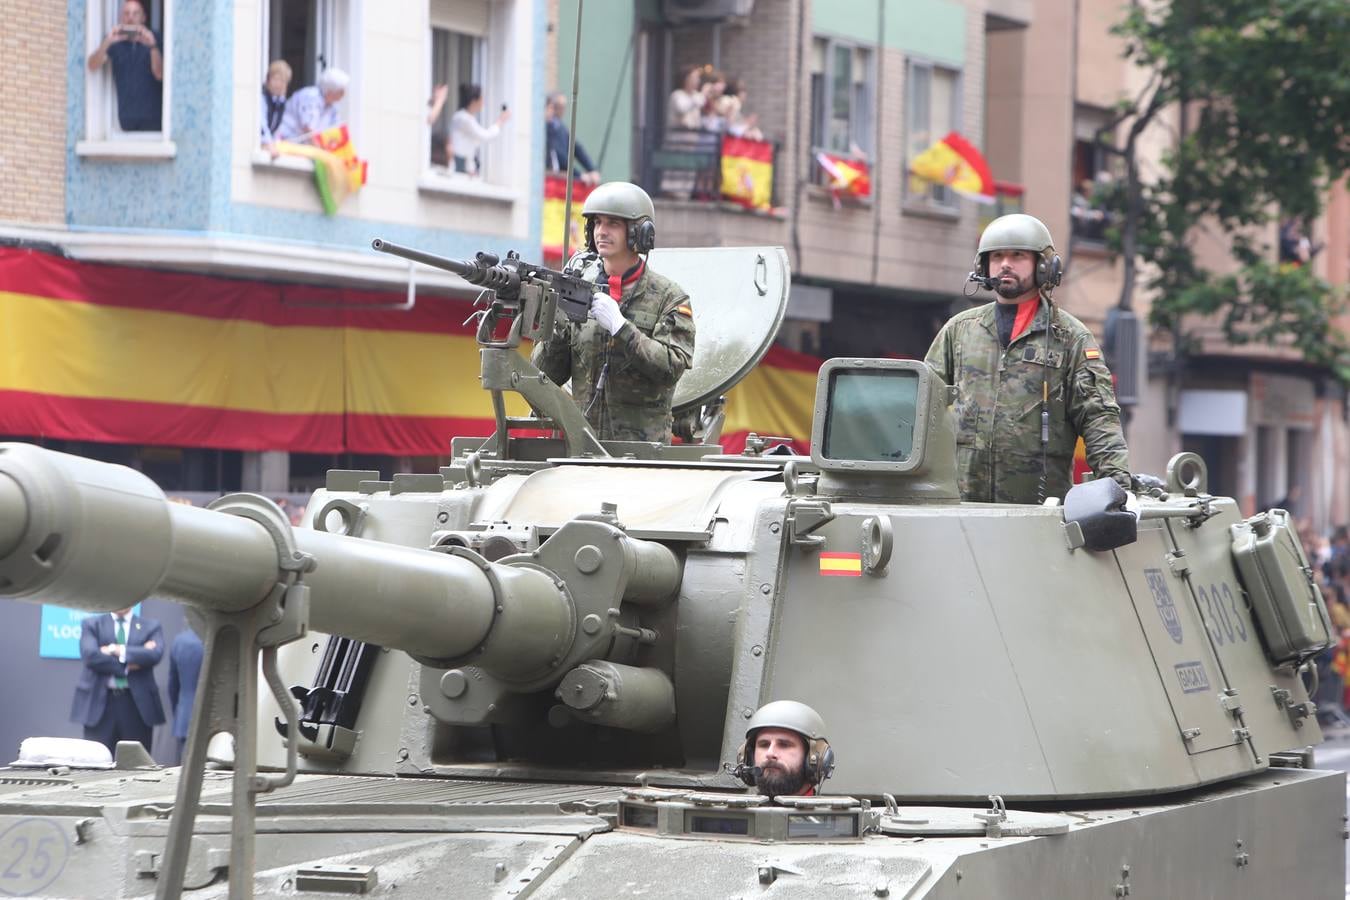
707,100
1329,556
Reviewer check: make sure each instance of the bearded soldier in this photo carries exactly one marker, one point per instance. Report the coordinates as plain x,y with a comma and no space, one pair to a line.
785,751
1029,377
625,360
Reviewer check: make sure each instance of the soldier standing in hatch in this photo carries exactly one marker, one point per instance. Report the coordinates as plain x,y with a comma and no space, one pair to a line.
1030,378
785,753
625,360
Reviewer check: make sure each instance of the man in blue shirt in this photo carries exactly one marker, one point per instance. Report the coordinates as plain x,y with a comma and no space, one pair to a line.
556,138
137,67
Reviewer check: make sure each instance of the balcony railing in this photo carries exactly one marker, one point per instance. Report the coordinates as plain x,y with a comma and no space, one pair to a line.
695,165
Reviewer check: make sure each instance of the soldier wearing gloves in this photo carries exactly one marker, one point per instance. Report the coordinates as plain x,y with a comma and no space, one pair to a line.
625,360
1030,378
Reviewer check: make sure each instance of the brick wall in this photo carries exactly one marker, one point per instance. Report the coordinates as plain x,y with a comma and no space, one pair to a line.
33,110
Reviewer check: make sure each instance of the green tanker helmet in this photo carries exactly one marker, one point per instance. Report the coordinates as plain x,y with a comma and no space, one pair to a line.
1019,231
792,716
623,200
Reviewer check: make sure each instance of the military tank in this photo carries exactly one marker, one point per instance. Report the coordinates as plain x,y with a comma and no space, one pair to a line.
530,673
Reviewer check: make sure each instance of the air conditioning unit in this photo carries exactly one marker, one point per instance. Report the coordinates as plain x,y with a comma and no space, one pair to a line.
682,11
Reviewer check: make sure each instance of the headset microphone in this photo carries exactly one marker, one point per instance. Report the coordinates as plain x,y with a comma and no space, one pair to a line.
749,774
988,282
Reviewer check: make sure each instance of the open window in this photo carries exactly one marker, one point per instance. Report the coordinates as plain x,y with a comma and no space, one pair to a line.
458,56
932,109
1094,184
309,36
127,104
842,104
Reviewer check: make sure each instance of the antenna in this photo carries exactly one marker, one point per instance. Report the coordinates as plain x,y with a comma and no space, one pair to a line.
572,142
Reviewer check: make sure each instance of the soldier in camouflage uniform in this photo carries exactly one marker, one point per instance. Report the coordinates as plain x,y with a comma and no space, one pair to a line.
1030,378
625,360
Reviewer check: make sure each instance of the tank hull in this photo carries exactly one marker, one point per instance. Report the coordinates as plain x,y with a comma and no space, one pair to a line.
1279,833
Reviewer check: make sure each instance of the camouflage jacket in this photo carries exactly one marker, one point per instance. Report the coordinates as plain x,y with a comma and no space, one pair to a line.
998,405
646,359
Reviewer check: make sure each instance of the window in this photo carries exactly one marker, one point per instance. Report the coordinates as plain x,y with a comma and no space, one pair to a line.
130,119
841,103
459,39
1093,185
302,33
932,109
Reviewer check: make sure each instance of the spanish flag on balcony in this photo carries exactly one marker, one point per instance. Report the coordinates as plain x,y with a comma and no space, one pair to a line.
955,162
747,171
126,355
338,172
848,177
555,203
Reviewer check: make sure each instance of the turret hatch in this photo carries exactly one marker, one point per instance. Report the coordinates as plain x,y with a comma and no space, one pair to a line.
739,296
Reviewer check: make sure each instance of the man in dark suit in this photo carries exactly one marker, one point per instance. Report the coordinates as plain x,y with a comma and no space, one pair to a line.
185,666
116,698
557,138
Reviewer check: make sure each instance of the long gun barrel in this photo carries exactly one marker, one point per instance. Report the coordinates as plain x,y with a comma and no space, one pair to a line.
99,537
483,270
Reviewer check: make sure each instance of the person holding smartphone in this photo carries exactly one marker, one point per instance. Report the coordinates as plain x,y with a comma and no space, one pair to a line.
137,67
467,134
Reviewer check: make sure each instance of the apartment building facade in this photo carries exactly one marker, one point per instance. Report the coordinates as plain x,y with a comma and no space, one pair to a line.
197,220
1031,83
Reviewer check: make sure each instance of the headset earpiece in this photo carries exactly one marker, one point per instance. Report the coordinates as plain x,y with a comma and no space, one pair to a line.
819,761
982,265
1049,272
641,235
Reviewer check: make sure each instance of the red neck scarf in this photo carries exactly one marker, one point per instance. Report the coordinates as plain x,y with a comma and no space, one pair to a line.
1026,313
617,284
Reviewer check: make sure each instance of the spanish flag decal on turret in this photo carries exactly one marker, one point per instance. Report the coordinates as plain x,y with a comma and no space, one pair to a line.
845,564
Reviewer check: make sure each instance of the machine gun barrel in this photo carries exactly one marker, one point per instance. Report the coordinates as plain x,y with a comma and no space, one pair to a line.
482,271
100,537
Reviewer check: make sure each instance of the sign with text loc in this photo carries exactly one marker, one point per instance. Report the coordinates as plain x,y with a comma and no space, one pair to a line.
59,637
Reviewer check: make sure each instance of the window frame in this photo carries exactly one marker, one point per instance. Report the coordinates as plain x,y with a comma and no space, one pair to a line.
497,78
103,135
862,123
936,198
337,30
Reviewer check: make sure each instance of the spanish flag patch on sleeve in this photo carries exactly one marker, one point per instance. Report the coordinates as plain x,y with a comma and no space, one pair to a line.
1092,353
685,309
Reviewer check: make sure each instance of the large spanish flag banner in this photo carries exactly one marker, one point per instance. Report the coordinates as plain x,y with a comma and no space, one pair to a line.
747,172
555,204
777,399
955,162
125,355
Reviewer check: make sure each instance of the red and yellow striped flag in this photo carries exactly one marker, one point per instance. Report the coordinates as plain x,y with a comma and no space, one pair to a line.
847,176
338,172
954,162
747,171
846,565
555,203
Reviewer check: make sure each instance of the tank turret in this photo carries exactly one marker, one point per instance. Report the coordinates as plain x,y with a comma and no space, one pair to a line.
590,635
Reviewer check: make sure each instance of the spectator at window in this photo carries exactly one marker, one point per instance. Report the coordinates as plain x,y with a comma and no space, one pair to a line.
714,89
1296,249
137,67
556,139
467,134
273,106
731,107
687,101
440,135
314,109
1089,220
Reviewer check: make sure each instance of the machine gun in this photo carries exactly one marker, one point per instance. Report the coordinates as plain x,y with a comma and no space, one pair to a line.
525,295
526,298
